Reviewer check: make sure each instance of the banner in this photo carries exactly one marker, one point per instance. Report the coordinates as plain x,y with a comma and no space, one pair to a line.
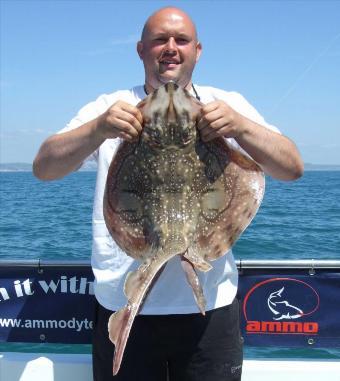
288,307
50,304
279,307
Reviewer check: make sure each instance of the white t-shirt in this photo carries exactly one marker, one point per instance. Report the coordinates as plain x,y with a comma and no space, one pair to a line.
171,294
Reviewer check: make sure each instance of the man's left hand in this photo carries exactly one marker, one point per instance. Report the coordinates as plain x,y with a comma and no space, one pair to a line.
217,120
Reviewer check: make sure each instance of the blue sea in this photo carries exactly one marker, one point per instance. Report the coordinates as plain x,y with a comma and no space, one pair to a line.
52,220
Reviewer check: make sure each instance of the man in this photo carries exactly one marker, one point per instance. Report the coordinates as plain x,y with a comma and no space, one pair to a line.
169,337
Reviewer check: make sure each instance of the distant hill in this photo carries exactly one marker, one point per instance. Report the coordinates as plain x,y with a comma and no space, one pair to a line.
27,167
15,167
322,167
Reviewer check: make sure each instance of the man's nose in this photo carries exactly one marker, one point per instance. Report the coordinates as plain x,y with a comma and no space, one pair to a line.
171,45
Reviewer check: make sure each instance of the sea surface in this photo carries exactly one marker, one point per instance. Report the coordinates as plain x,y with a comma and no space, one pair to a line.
52,220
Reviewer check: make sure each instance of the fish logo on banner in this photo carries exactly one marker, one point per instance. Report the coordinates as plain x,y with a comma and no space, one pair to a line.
281,306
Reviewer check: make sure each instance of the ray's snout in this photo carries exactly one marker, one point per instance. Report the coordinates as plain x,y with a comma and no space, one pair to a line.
178,102
171,87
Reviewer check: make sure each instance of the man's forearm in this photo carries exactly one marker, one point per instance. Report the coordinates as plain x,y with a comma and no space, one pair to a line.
275,153
63,153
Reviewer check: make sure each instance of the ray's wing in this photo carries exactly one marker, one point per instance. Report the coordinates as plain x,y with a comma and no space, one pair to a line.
123,205
229,200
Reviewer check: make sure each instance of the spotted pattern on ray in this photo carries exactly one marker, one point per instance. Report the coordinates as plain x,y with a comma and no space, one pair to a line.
171,194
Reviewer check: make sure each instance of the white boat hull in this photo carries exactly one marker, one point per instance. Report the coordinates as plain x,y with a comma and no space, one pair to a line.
74,367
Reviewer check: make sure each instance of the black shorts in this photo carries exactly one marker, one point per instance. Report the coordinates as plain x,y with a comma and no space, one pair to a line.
189,347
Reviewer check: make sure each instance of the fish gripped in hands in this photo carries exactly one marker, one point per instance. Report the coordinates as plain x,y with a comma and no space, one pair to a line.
170,194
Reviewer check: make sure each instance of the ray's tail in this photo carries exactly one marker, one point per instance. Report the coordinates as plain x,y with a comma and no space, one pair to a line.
137,285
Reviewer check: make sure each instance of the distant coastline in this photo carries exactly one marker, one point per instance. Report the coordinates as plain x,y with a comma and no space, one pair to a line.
27,167
322,167
91,167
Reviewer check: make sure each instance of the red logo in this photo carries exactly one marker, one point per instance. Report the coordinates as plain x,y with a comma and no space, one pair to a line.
281,306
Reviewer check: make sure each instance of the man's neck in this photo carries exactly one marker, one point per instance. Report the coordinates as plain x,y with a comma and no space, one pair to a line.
149,89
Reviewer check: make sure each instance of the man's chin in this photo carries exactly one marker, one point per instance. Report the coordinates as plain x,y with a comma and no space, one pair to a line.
165,78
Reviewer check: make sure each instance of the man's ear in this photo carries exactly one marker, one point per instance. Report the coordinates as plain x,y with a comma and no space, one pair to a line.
140,49
198,50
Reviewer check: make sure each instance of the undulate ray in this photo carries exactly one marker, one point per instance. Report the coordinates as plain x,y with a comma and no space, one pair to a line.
171,194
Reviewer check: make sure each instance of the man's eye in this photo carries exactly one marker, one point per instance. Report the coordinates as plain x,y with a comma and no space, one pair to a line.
181,41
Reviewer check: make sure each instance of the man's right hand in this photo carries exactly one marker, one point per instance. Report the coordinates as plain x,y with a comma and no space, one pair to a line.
121,120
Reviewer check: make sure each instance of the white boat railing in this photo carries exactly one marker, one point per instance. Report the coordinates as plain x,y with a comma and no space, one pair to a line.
74,367
241,263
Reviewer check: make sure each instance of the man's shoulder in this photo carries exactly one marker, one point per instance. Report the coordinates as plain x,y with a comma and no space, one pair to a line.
97,107
235,100
133,96
214,93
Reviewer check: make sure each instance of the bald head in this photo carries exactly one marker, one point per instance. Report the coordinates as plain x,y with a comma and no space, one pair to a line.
168,48
171,14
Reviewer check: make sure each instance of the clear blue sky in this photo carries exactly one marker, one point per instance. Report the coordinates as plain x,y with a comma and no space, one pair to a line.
283,56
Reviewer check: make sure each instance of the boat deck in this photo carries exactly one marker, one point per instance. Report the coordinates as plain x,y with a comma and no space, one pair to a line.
62,367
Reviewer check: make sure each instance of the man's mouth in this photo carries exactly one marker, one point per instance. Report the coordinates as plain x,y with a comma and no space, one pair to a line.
169,63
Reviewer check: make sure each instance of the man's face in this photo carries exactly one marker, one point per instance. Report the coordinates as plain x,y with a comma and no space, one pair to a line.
169,49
